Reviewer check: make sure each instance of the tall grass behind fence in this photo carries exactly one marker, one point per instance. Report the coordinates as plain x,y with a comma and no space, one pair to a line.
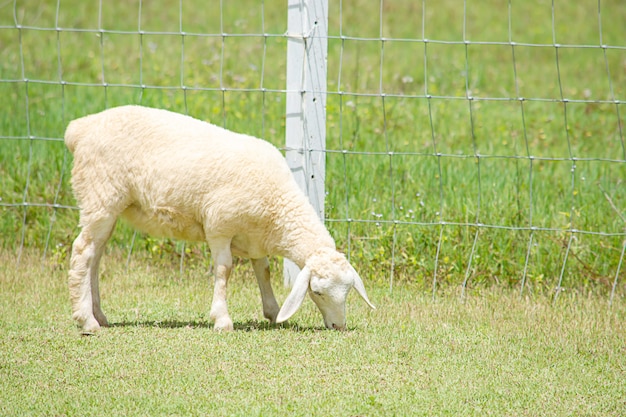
468,143
495,134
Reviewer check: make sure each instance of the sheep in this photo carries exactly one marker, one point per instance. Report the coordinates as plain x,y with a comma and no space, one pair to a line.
174,176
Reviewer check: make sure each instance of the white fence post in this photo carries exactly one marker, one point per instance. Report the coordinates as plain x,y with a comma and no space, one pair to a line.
307,49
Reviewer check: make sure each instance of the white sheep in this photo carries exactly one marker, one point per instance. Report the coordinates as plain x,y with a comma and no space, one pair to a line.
173,176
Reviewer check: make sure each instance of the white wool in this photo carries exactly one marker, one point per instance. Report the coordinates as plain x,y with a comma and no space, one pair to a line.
174,176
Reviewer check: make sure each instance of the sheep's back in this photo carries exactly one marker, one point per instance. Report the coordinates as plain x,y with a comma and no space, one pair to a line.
153,158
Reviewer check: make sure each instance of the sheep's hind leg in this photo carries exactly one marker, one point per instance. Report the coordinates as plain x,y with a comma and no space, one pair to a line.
223,263
262,272
95,287
83,275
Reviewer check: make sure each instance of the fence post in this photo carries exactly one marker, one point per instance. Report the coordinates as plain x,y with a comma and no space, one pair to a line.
307,49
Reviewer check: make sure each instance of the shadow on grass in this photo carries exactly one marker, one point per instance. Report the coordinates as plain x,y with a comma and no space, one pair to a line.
246,326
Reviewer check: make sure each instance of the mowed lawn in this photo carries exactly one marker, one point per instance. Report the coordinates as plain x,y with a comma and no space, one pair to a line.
496,353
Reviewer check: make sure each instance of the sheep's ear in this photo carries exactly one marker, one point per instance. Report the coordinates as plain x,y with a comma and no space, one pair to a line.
360,288
296,296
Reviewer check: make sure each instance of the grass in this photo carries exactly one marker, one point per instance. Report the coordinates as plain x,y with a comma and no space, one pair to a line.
494,354
397,203
414,211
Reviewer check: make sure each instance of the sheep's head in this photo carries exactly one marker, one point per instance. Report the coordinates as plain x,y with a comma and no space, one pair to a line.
327,277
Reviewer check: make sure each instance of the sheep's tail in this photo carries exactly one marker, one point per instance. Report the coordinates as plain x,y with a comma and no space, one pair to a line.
76,130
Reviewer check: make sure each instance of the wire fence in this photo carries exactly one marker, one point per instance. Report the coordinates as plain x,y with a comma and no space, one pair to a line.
467,142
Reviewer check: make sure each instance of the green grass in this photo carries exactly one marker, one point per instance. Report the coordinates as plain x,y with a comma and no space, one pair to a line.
494,354
397,201
500,351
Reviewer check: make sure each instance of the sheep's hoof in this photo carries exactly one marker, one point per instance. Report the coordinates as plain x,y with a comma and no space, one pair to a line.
271,316
101,319
90,327
223,325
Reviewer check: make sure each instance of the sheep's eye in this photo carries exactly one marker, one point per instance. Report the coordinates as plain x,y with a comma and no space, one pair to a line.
317,293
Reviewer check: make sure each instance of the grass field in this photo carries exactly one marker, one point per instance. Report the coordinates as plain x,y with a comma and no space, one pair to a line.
495,354
414,214
402,166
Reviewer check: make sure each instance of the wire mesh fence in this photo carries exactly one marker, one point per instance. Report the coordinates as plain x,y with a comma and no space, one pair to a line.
467,143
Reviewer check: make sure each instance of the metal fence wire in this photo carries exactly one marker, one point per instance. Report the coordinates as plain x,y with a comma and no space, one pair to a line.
441,141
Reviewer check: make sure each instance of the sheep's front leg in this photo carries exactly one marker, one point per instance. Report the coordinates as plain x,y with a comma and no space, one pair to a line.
262,272
83,275
223,263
